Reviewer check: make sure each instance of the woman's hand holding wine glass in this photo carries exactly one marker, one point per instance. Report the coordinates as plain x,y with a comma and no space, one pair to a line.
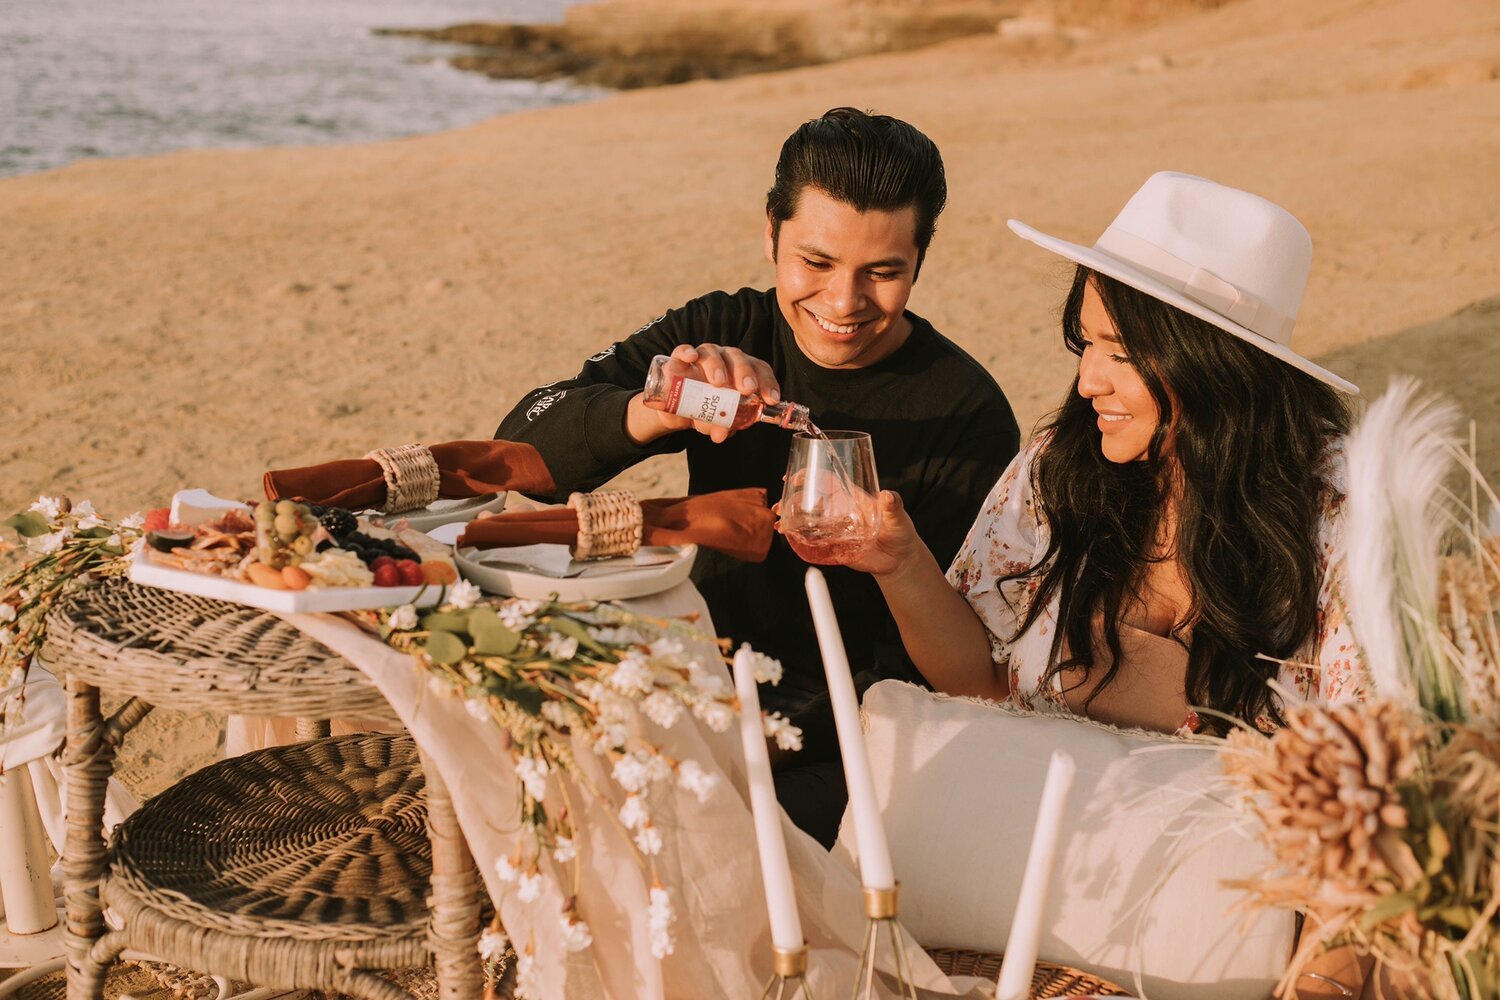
895,543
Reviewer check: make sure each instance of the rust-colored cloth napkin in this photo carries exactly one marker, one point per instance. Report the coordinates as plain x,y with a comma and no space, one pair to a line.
467,468
735,522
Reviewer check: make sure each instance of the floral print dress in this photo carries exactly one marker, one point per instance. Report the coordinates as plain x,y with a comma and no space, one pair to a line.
1010,535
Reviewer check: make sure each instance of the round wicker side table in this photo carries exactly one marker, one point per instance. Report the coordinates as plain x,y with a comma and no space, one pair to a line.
186,652
295,867
1047,980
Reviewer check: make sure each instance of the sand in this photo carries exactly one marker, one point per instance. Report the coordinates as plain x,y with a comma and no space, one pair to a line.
196,318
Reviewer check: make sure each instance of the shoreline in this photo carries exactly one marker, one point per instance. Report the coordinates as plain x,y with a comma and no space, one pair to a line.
634,44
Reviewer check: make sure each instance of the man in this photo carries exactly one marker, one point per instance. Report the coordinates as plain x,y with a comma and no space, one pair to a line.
849,218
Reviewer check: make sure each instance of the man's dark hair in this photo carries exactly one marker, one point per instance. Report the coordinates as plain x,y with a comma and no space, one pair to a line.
869,162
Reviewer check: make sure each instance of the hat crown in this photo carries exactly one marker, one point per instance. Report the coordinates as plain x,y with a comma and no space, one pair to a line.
1228,257
1234,236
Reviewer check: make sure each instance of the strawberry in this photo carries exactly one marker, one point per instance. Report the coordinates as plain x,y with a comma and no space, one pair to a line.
159,519
411,572
380,561
387,575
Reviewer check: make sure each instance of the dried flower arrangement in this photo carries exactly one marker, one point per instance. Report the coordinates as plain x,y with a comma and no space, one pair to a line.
1384,817
71,546
548,671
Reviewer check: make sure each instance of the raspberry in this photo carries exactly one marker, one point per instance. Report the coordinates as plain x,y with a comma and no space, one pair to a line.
387,576
410,572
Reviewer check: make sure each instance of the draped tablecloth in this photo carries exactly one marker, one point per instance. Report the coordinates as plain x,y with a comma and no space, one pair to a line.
709,863
36,722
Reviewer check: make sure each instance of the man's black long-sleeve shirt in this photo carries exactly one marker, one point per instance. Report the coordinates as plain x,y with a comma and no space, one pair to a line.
942,431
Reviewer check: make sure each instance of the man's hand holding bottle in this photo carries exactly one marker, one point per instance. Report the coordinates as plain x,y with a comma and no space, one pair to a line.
712,389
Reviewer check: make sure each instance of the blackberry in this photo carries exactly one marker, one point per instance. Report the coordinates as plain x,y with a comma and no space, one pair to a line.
339,522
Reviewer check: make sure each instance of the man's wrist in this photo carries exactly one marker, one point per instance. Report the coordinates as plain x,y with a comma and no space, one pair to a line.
642,423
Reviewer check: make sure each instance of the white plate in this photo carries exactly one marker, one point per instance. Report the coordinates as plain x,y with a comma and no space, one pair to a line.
609,581
146,571
447,511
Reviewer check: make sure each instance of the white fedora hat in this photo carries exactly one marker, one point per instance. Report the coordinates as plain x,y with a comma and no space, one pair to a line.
1229,257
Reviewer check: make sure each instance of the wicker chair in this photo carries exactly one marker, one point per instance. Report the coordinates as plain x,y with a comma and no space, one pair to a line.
294,867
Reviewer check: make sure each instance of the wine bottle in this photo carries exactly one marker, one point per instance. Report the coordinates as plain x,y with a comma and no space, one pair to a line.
713,404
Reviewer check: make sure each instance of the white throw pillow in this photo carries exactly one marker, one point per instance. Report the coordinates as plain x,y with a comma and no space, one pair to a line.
1146,842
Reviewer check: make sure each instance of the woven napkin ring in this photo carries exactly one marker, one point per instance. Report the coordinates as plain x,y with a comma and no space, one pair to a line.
609,524
411,476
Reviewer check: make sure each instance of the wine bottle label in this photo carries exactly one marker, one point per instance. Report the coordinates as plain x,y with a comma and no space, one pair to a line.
701,401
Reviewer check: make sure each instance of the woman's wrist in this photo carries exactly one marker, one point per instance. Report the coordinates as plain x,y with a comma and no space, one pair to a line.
912,572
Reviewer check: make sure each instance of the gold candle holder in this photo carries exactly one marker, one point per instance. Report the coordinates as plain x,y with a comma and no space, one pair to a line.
790,975
880,911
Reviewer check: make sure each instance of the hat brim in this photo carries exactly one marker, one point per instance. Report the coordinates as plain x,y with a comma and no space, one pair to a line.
1104,263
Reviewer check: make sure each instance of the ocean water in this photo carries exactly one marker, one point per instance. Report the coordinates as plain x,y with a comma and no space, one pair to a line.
103,78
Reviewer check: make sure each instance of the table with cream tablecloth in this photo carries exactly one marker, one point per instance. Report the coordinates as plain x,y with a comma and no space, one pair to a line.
709,862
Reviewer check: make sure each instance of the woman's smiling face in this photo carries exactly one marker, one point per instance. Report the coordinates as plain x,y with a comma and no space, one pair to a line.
1127,412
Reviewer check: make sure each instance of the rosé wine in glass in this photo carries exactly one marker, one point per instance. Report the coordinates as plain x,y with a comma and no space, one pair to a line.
829,511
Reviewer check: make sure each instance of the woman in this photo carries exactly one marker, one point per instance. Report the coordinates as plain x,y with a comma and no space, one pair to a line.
1168,543
1177,520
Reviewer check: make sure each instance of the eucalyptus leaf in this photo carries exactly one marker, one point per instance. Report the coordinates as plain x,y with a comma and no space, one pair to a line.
446,647
576,630
527,698
492,637
446,621
28,524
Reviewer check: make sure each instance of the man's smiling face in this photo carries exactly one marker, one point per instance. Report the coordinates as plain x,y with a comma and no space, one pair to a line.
843,277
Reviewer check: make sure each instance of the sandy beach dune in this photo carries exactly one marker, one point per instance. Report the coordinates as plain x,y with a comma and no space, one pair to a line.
196,318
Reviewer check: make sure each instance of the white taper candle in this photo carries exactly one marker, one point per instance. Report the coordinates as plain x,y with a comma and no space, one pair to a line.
874,853
1026,925
776,874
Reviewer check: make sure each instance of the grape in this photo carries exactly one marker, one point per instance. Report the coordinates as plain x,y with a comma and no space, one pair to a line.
265,513
302,545
286,506
287,527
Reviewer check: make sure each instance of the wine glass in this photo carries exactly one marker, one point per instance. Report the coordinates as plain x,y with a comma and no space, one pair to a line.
829,511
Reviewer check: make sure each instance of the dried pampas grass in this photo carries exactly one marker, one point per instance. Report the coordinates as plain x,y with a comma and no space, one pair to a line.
1384,817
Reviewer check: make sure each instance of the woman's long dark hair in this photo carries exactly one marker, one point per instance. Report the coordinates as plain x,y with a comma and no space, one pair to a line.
1239,440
